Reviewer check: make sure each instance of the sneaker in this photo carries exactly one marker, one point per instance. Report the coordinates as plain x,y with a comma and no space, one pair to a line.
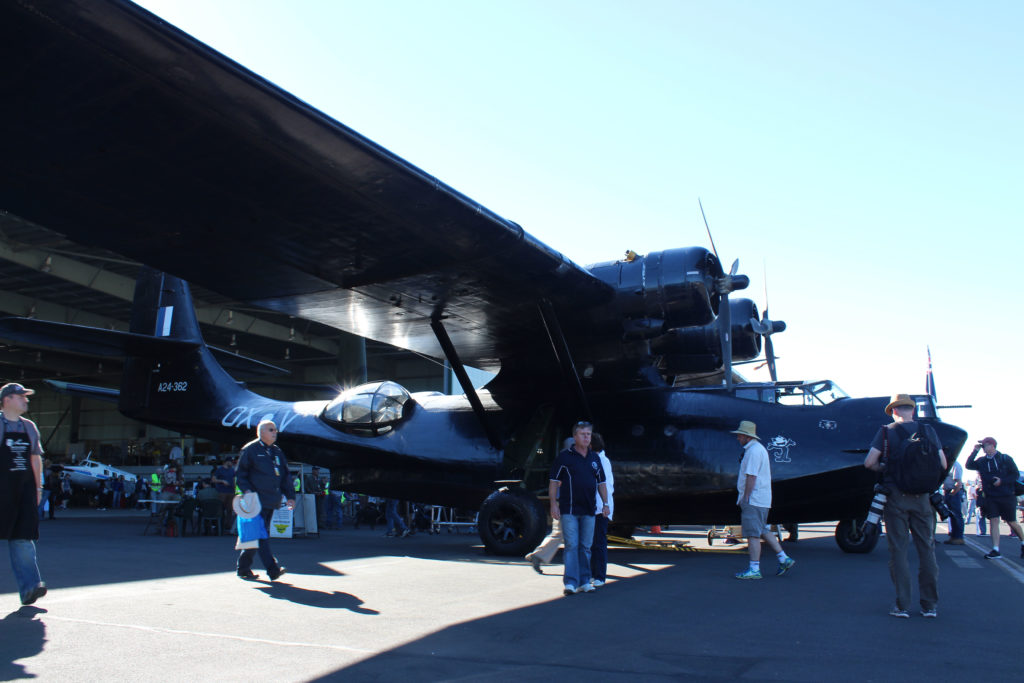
407,533
958,541
587,588
597,583
929,613
248,576
749,574
785,566
535,561
274,576
569,589
34,594
993,555
899,613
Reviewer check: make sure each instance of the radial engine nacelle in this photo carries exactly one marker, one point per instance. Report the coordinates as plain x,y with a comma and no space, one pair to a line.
699,349
665,290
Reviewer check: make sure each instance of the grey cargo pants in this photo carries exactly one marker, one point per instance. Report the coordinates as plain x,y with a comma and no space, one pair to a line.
911,516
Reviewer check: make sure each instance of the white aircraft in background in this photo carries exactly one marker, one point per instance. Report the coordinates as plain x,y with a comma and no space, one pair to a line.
89,473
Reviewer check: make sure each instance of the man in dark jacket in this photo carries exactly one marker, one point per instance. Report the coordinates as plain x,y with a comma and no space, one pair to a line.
262,468
998,473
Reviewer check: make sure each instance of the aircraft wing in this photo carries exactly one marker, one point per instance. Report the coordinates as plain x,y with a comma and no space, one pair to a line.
91,341
125,133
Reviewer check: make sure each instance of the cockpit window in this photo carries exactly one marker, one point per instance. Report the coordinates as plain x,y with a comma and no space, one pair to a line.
810,393
369,408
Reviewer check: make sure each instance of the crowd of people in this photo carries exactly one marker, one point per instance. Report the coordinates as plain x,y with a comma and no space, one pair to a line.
581,495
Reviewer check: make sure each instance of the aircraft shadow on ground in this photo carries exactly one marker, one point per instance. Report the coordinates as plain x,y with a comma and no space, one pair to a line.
825,620
87,551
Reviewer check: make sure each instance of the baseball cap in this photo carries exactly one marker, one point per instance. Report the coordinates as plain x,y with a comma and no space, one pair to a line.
14,388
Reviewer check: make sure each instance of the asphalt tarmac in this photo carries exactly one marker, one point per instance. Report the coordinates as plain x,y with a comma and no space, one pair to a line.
357,606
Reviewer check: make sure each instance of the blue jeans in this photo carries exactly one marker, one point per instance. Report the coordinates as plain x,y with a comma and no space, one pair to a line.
23,562
333,516
972,506
577,535
44,496
395,522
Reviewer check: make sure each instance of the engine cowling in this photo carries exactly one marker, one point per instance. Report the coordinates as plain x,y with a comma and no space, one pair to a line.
699,348
662,290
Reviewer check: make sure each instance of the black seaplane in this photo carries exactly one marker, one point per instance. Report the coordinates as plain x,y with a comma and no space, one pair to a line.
125,133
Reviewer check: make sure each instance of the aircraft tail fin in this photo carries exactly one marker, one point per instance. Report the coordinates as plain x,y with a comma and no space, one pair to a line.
163,308
163,322
185,383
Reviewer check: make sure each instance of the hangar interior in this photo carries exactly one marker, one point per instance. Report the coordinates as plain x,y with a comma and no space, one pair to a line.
47,277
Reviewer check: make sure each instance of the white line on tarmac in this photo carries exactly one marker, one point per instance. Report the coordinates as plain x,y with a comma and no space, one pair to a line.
1006,564
202,634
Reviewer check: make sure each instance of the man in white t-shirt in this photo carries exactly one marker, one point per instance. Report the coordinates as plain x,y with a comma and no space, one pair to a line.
755,488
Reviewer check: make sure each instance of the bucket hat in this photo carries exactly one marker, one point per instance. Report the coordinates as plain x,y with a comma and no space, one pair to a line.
247,506
747,428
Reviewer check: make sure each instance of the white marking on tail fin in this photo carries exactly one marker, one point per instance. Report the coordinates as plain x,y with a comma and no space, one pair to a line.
163,321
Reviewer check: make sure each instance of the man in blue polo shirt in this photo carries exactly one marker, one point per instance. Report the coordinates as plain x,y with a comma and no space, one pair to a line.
576,479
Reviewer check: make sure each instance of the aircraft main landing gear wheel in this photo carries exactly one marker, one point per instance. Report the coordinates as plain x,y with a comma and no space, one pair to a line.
851,539
511,522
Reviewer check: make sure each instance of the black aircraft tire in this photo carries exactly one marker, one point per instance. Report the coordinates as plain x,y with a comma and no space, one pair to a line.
621,530
851,540
512,522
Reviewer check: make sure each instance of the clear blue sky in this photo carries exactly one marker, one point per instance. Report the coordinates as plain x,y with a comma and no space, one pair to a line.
868,156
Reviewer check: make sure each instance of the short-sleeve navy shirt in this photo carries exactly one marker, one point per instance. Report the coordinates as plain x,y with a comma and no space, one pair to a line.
579,476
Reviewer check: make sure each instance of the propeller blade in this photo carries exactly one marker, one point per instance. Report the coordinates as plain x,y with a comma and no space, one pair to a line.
710,238
725,334
769,354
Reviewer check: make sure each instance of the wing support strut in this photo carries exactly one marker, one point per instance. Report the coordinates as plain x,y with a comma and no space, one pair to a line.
561,349
467,386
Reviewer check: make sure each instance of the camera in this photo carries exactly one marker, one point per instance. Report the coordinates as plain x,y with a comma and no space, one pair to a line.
876,509
936,499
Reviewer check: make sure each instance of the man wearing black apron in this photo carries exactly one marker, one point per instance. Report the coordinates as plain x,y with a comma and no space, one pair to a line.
20,489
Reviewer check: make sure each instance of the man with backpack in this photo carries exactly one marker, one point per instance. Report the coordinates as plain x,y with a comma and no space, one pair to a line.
913,465
998,473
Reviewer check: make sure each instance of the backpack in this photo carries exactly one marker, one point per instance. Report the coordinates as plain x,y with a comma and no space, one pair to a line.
914,463
1009,466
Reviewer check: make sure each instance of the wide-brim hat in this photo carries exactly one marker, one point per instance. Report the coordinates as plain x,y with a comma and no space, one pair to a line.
247,506
747,428
899,400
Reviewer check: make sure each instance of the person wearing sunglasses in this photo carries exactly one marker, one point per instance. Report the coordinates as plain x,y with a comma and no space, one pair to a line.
262,469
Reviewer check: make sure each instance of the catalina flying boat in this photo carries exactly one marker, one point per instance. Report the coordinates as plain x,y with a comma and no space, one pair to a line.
128,134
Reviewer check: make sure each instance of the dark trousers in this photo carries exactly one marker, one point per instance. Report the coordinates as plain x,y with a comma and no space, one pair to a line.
912,517
266,556
599,549
955,503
